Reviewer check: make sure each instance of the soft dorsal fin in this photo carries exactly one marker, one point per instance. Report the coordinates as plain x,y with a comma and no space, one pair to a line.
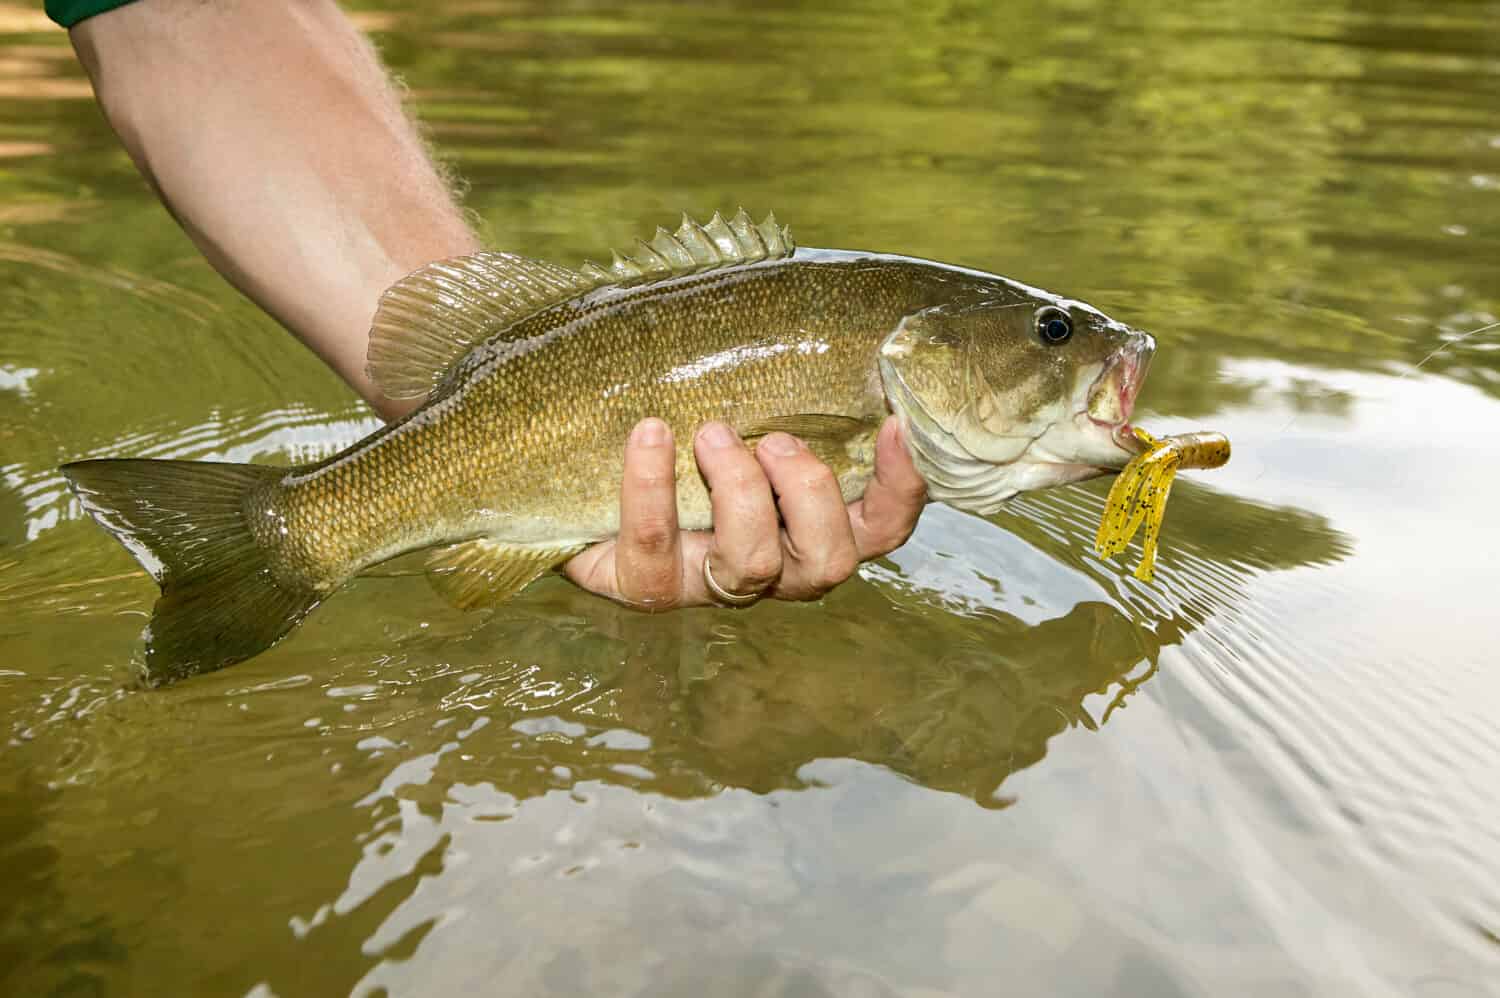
433,316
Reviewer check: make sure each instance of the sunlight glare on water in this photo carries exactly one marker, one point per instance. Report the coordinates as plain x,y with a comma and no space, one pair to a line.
993,760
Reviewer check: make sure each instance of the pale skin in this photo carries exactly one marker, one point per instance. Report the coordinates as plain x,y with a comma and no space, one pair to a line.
271,132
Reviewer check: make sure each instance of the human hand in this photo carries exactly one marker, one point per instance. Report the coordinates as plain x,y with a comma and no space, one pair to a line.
652,565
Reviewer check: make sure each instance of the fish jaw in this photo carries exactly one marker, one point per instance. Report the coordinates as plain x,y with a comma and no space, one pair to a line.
980,484
1096,438
1090,437
1110,401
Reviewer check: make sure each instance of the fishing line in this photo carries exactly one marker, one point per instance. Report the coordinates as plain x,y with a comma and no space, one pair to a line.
1449,345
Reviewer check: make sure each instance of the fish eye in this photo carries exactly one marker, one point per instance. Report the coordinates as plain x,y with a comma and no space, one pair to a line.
1053,325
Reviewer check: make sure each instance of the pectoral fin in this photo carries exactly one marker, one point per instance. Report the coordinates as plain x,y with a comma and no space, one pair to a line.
486,573
841,442
809,426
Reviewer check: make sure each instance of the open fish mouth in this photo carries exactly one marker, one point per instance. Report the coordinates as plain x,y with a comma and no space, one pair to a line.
1111,399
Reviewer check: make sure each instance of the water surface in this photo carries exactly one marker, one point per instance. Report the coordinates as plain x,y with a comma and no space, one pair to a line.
993,763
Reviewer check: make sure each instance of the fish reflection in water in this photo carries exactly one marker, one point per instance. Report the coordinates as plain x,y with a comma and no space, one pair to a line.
688,732
955,698
475,749
962,720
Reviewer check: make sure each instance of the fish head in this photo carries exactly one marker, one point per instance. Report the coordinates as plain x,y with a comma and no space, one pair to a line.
1015,392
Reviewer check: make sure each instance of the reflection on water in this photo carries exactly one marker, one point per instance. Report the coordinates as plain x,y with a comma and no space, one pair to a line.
994,758
438,732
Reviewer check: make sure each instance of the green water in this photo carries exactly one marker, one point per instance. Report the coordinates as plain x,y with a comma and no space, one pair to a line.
991,765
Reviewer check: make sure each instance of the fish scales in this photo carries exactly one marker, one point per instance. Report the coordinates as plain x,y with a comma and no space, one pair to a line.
525,444
514,460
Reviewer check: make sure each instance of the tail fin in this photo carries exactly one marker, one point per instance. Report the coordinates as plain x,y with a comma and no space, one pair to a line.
184,521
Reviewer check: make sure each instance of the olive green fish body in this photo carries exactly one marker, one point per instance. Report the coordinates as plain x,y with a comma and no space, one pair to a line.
523,445
534,375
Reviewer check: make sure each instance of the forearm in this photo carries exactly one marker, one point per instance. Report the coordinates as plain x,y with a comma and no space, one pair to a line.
273,136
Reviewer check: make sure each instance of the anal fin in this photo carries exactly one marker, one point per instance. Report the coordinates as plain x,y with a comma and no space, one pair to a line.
487,572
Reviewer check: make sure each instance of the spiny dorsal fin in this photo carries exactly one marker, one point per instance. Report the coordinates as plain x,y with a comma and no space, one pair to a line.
433,316
486,573
694,248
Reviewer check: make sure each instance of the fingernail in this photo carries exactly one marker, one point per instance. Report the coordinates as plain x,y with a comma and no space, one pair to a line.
717,435
782,444
649,433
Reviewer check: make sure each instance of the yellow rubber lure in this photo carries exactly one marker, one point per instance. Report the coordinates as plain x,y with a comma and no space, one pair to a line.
1139,495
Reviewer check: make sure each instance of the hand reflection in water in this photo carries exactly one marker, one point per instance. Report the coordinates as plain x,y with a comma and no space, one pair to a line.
953,702
934,683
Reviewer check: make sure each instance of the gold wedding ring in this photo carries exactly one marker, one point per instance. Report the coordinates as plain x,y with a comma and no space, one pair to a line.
723,595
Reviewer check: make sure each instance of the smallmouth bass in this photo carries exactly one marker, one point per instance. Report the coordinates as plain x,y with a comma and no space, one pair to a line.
534,375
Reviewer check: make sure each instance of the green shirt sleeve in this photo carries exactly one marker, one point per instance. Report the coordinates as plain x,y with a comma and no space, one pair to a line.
70,12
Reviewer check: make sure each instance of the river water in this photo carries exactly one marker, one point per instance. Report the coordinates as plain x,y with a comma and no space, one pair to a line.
991,765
